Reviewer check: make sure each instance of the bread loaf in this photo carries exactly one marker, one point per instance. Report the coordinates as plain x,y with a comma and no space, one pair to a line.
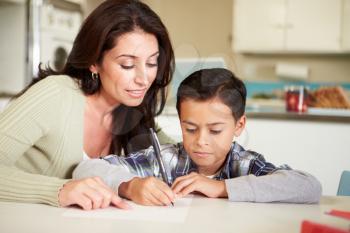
329,97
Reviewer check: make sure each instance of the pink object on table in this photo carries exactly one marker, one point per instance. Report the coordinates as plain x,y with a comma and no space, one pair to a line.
312,227
340,213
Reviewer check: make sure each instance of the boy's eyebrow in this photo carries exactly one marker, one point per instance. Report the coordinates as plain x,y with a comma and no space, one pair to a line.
188,122
133,56
210,124
216,123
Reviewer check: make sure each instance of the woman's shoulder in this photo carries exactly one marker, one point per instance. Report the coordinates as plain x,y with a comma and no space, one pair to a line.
52,89
63,86
60,81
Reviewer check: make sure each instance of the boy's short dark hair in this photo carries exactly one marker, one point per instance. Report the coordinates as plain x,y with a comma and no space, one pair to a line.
207,84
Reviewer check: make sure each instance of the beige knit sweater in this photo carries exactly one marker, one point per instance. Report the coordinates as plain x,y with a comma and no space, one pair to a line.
41,141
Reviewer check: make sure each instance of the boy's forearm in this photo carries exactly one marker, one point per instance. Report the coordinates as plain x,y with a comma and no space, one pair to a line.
290,186
112,175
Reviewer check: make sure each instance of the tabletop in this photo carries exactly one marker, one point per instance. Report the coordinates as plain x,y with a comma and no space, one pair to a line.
204,215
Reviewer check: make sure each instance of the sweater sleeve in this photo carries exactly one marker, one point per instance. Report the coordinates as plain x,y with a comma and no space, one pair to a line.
24,122
112,175
291,186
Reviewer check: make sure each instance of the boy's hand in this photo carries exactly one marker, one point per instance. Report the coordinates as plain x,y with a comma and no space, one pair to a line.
147,191
89,193
195,182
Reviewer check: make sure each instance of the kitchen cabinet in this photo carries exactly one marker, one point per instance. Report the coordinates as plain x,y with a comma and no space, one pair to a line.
258,25
295,26
346,25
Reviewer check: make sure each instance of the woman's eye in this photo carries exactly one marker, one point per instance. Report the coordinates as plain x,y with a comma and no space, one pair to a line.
215,131
152,65
127,67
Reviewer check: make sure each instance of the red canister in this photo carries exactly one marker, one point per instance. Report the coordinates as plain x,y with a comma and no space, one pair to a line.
296,98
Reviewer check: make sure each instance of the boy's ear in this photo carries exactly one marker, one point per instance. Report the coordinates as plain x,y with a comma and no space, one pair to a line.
93,68
240,124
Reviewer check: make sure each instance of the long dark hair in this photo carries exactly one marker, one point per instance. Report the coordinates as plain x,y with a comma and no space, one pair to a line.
97,35
219,83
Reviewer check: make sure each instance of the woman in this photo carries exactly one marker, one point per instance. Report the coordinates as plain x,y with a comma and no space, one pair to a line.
107,95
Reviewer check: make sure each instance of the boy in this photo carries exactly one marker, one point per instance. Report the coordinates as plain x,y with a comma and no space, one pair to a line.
210,104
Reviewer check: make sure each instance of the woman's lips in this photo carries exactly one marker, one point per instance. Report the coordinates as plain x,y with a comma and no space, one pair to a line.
136,93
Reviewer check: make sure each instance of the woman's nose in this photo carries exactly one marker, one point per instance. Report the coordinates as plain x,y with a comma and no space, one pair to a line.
141,77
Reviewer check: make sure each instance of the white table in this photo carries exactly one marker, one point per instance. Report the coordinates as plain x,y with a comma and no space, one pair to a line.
205,215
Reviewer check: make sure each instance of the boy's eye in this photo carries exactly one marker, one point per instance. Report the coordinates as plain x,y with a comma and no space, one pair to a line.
126,67
190,130
215,131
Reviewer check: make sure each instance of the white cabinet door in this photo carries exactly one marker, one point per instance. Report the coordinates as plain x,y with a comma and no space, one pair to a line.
258,25
320,148
313,25
346,26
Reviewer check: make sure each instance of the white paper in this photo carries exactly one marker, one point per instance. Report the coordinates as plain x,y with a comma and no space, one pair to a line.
176,213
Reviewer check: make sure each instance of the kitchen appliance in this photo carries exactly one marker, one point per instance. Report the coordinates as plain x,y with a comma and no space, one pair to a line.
34,32
13,47
58,28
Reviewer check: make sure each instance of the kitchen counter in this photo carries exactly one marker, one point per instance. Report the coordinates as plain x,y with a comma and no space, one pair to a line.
276,111
313,114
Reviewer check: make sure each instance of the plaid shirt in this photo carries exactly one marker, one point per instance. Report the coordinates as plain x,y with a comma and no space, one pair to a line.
239,162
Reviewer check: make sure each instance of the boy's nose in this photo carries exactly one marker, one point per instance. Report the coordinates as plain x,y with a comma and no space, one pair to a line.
202,139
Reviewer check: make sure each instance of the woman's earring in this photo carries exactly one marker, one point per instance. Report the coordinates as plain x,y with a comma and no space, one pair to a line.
94,76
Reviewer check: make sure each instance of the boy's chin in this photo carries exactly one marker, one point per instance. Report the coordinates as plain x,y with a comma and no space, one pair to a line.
202,162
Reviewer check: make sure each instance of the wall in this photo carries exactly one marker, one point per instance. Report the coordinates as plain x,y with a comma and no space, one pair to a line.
89,5
198,28
322,68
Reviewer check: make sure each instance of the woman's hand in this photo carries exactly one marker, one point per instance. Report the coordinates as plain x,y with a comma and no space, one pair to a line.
147,191
195,182
89,193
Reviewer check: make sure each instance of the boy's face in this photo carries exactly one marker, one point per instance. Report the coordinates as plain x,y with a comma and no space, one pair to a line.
208,129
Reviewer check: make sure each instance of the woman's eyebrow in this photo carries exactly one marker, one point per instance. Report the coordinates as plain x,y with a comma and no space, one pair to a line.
127,55
154,54
134,57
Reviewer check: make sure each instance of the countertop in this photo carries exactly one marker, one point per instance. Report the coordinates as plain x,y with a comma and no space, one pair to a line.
275,110
312,114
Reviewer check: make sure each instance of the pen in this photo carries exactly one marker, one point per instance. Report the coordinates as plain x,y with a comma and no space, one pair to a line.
156,147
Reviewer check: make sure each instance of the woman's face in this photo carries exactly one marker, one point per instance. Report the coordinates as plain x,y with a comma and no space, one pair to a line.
128,70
